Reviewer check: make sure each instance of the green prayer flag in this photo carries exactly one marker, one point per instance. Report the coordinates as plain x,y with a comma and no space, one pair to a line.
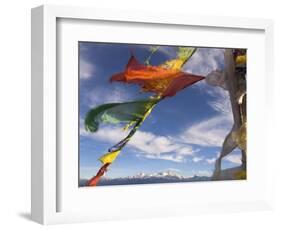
114,113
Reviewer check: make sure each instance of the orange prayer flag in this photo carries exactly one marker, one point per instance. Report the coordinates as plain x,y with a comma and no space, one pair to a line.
95,180
157,79
136,72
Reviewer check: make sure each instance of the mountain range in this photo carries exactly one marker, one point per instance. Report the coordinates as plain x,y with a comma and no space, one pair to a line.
144,178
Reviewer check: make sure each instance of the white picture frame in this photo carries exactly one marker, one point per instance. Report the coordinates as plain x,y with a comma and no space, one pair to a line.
46,165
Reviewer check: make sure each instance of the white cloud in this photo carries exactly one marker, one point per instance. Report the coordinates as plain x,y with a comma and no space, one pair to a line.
173,169
87,69
233,158
147,144
107,134
168,157
221,104
154,144
160,147
206,133
187,150
211,160
211,131
111,94
197,159
205,60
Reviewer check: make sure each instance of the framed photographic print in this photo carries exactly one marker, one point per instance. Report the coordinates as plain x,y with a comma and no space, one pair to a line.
139,115
149,125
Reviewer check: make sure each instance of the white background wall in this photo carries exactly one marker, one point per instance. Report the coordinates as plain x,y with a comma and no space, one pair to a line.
15,113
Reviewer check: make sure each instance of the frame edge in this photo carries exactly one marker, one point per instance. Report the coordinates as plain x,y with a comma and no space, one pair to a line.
37,162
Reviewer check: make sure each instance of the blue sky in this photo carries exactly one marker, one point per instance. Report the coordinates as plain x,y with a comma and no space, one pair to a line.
184,133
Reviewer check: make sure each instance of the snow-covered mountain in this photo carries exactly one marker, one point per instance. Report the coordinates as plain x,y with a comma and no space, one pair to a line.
168,173
168,176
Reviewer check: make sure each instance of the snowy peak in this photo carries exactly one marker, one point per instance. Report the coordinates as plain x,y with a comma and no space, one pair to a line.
163,174
140,175
169,173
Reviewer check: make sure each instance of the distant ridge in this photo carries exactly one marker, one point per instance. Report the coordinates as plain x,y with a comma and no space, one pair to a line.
154,178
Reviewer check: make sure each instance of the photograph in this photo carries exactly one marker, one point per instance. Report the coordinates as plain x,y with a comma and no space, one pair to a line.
151,114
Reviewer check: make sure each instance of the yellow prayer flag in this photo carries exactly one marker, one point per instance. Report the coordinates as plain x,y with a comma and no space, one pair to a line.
240,175
174,64
109,157
241,60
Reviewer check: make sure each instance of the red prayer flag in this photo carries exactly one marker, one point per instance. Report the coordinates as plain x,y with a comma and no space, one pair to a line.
157,79
94,180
